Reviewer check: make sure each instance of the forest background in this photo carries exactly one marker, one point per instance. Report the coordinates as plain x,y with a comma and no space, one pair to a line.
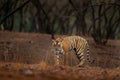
97,18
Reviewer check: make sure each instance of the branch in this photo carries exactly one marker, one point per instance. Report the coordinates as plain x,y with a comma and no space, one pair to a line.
2,7
70,1
39,7
43,11
83,9
12,12
102,14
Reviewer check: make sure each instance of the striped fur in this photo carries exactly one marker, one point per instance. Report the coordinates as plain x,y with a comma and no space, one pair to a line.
76,43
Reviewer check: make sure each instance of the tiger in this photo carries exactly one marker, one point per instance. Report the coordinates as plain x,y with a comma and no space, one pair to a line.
76,43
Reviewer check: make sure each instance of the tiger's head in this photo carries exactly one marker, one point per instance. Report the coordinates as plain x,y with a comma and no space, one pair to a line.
57,44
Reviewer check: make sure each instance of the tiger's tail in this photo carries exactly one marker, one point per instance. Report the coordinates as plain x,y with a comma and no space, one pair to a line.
87,52
90,59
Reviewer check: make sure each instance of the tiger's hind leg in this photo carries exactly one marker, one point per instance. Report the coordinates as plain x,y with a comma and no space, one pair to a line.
81,58
81,63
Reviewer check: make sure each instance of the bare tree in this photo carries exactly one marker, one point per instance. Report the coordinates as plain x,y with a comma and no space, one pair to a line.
104,26
7,10
81,9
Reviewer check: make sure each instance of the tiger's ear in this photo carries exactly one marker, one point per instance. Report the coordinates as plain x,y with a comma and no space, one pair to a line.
53,40
59,39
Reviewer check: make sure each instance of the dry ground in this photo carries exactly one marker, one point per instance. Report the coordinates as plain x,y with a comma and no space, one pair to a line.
41,71
29,56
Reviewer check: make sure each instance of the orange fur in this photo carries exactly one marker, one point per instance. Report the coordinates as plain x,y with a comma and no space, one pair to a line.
62,45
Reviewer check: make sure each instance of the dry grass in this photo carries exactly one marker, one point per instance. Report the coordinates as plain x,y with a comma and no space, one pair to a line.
42,71
26,56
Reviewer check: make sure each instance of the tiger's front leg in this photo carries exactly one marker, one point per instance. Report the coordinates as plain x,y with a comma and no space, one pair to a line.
57,61
65,58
